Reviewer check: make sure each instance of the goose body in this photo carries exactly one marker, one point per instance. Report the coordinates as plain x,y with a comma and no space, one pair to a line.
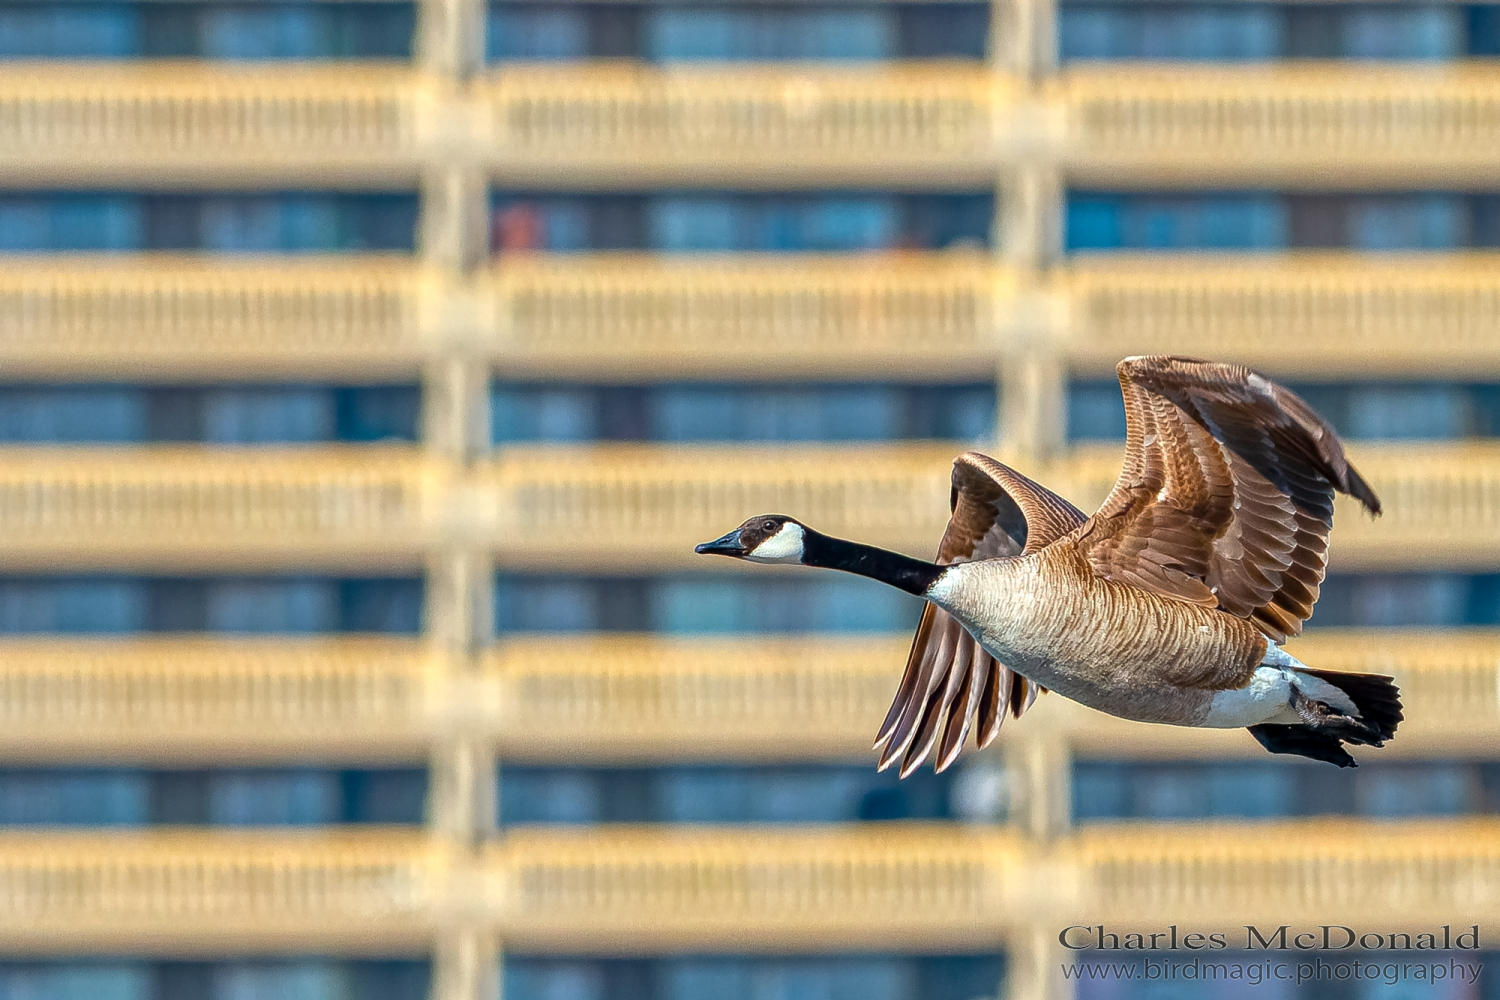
1054,623
1167,606
1178,665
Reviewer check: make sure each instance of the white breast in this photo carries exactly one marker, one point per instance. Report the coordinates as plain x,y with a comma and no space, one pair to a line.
1267,698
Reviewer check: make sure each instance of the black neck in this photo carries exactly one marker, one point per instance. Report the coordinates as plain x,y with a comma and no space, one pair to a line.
911,575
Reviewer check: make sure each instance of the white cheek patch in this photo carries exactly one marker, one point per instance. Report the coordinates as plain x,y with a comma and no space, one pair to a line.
783,547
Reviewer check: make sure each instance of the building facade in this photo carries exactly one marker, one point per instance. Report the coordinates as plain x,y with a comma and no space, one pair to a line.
370,369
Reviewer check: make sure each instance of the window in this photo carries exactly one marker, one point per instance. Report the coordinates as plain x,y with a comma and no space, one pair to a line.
242,414
1276,788
1403,411
231,797
106,604
678,34
1169,31
696,32
760,977
1096,411
792,793
700,604
774,412
221,30
1260,31
286,222
1409,599
1274,221
730,221
299,978
1484,30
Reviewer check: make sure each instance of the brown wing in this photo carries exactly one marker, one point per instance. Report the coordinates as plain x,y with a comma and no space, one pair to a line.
949,680
1226,495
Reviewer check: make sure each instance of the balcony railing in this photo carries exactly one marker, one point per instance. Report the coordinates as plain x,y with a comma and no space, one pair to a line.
146,123
176,700
1309,873
205,508
617,317
909,886
1327,315
622,316
621,889
178,892
160,315
623,697
1305,314
600,123
918,887
1347,125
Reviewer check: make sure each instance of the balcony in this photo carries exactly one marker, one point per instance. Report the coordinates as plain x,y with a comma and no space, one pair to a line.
1336,125
1409,875
601,125
630,890
622,317
159,123
181,892
938,887
618,317
649,698
918,888
173,700
1308,314
199,508
165,316
1135,124
911,887
617,507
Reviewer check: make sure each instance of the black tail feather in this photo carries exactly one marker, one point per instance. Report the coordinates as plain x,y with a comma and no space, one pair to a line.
1303,741
1376,696
1326,729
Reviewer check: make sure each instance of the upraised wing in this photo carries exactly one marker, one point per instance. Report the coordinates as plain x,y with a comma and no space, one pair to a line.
950,681
1226,495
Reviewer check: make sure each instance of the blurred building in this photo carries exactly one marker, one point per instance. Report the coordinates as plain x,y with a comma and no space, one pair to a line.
370,368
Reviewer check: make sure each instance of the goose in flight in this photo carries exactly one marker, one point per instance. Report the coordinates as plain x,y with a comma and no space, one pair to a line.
1169,605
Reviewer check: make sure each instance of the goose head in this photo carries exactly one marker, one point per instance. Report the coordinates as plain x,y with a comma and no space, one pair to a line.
768,538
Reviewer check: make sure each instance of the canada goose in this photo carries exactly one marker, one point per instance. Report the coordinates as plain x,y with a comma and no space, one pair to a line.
1169,605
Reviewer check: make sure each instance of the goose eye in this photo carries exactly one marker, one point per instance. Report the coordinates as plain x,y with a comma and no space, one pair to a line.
769,525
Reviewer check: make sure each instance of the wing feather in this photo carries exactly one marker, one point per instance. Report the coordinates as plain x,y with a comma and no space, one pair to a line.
950,682
962,712
1225,497
934,657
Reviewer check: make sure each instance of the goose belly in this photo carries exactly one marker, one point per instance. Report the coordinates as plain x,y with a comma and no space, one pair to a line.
1115,648
1135,692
